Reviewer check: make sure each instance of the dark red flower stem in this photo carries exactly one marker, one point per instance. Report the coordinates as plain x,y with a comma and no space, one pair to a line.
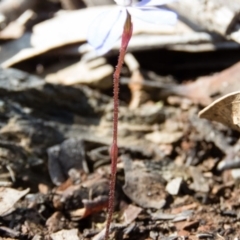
126,36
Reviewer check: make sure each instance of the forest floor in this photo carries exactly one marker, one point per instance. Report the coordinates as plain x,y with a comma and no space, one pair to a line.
177,174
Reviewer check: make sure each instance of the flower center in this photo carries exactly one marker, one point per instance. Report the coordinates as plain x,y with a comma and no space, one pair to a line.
124,3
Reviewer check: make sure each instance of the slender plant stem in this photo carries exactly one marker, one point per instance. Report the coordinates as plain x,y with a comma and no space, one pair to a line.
126,36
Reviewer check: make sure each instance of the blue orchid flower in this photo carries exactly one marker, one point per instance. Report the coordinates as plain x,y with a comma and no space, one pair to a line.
107,27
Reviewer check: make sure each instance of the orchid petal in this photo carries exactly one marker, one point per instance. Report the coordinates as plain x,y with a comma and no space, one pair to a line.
154,15
106,28
153,2
114,34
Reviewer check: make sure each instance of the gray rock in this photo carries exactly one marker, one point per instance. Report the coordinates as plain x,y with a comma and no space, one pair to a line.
61,158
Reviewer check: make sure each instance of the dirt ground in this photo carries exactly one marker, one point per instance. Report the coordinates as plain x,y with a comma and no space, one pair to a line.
177,174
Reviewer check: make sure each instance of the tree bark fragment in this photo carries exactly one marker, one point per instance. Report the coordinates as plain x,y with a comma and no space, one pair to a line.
209,14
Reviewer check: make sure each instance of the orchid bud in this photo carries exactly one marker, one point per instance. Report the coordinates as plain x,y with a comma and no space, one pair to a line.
127,31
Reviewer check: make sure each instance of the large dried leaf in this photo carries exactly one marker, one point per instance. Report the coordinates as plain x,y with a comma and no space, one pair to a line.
8,197
72,28
202,90
225,110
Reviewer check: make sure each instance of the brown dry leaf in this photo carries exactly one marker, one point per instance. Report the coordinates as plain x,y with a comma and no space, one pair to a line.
143,186
225,110
8,197
204,88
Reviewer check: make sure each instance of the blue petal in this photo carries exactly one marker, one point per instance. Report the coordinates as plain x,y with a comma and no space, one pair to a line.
154,15
101,26
106,29
153,2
